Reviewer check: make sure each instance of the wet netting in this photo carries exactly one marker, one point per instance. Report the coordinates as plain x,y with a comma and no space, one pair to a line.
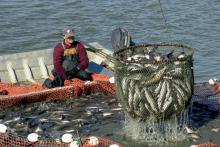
154,79
73,88
207,96
9,140
16,94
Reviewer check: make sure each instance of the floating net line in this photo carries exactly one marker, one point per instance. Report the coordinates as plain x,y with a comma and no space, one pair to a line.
154,79
9,140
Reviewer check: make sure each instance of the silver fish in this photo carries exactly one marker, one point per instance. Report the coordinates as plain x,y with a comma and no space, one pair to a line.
155,77
168,96
150,100
134,66
143,110
184,95
158,88
176,73
187,81
182,85
162,94
130,100
131,92
136,101
125,84
179,99
167,105
137,97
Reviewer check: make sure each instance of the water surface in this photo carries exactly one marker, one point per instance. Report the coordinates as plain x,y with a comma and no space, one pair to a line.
33,25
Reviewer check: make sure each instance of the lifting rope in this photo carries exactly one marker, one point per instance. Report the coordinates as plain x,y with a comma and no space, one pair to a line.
164,18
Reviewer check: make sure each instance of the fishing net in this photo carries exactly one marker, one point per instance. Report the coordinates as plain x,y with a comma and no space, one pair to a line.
9,140
154,79
73,88
204,94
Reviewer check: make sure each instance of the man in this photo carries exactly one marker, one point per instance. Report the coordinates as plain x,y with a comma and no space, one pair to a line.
69,59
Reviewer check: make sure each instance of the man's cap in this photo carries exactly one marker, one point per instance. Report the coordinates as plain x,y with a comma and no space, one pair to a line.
68,32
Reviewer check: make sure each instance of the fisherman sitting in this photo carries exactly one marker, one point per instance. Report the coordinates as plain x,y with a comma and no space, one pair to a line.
69,59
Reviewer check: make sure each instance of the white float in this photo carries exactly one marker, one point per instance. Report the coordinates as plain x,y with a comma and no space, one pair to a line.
212,81
112,80
74,144
93,140
114,145
33,137
3,128
194,146
67,138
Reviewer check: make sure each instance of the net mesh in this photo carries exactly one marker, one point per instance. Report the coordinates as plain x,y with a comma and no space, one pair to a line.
9,140
74,88
208,95
154,79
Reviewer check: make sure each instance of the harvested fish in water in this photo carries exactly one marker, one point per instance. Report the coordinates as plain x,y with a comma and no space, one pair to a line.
147,56
137,56
176,73
166,96
151,66
163,79
181,55
158,88
156,77
180,91
183,86
150,100
158,58
162,94
59,118
170,54
137,97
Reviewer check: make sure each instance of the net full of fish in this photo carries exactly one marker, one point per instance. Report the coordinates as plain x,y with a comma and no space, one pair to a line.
154,79
52,119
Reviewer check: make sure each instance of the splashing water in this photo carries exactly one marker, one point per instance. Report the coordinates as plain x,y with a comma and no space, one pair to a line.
157,131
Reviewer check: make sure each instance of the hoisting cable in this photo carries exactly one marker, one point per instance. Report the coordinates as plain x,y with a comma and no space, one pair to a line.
164,18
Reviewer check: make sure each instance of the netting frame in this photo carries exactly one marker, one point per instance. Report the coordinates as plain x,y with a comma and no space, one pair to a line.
120,58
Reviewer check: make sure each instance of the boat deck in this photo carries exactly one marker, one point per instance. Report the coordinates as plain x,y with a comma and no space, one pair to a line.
35,66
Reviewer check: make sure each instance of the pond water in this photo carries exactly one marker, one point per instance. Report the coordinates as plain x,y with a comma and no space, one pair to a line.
34,25
101,115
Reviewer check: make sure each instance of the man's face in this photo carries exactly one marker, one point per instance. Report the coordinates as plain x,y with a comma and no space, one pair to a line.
69,39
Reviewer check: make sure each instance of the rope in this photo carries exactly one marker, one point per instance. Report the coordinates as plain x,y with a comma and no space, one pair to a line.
165,21
164,18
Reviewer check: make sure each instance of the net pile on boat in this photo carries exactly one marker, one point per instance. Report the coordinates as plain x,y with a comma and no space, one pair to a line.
17,94
154,79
